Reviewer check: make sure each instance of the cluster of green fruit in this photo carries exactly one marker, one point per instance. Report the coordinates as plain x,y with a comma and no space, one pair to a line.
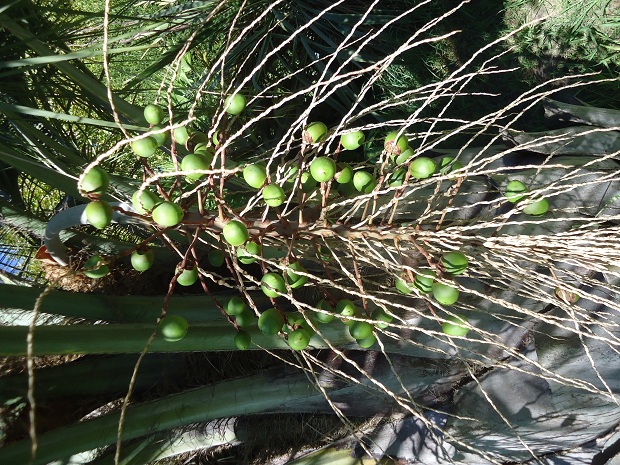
516,191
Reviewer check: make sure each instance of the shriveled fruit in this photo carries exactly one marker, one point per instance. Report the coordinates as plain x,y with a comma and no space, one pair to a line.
364,182
98,213
192,162
540,207
360,329
243,340
145,203
153,114
95,181
324,317
395,144
244,251
270,321
299,339
444,293
272,282
345,307
144,147
367,342
234,104
235,306
255,175
235,233
95,268
323,169
173,328
422,167
515,191
216,257
381,318
296,280
344,174
454,262
315,132
352,140
245,318
273,195
455,325
167,214
142,260
188,276
424,281
567,296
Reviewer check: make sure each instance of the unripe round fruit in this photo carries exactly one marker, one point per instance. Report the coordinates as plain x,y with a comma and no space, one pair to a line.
188,277
537,208
270,321
255,175
234,104
323,169
424,281
347,308
91,269
324,317
404,156
403,286
454,262
145,203
448,165
142,260
273,195
352,140
193,162
98,213
360,329
455,325
144,147
272,282
383,319
314,133
216,257
161,138
395,146
96,181
398,177
367,342
299,339
515,191
308,183
445,294
167,214
235,306
243,252
348,189
364,182
181,135
153,114
173,328
344,174
422,168
245,318
235,233
296,280
243,340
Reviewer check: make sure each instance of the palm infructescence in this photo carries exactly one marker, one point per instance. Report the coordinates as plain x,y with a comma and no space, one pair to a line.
473,253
